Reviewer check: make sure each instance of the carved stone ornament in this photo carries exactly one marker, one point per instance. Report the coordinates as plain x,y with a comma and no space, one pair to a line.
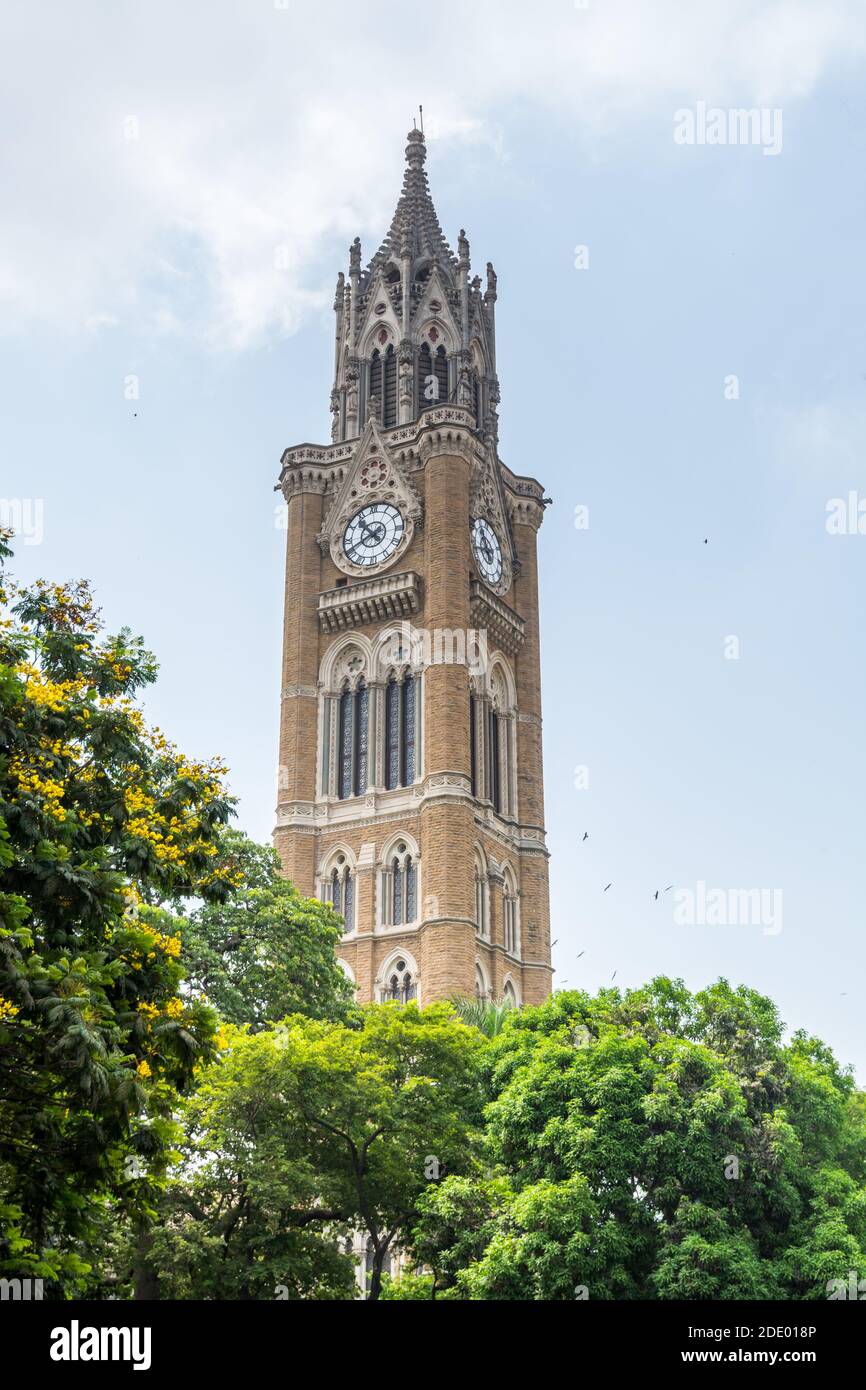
374,475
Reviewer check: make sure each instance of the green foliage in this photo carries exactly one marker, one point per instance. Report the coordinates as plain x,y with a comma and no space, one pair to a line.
266,951
618,1125
305,1133
101,821
487,1015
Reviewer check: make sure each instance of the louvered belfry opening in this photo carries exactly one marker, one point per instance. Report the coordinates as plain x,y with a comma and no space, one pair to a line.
376,377
425,372
389,396
440,371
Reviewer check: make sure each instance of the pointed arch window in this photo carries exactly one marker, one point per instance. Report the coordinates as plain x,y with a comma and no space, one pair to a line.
440,371
510,921
353,741
425,373
482,925
376,378
473,742
494,778
339,891
401,714
400,984
400,888
389,388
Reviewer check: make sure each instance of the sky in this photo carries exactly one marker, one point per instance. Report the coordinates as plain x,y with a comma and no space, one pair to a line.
680,345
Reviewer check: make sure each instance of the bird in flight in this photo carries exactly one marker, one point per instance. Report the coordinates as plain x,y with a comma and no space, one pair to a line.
585,836
613,976
610,885
553,943
581,953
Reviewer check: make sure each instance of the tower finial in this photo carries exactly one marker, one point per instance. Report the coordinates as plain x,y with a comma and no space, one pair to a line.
421,114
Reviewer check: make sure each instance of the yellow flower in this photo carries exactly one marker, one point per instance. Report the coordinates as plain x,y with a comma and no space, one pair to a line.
143,1069
7,1009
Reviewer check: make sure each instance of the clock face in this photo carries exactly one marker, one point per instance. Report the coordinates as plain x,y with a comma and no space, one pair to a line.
488,552
373,534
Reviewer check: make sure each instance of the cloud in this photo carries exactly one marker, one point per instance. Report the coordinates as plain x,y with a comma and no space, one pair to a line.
193,168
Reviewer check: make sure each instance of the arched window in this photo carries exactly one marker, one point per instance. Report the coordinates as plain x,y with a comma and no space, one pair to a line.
389,394
482,922
440,371
400,983
476,399
509,994
494,771
510,919
492,751
339,891
353,741
481,990
473,742
400,887
401,707
426,387
376,379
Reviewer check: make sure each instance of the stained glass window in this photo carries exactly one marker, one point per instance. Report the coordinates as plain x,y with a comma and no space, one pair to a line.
347,703
361,709
397,914
392,735
409,704
349,901
410,891
473,744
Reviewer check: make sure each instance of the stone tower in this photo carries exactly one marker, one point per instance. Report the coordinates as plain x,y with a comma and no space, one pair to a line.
410,782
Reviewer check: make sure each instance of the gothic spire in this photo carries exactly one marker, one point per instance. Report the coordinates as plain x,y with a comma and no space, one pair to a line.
415,218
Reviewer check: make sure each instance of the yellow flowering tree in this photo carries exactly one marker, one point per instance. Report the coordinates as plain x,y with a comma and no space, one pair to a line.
104,826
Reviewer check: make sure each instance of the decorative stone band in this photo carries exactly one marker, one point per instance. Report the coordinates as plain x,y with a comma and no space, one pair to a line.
371,601
300,692
325,455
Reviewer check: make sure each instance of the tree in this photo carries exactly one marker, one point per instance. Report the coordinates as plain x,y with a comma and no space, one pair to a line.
487,1015
306,1133
265,951
655,1144
101,821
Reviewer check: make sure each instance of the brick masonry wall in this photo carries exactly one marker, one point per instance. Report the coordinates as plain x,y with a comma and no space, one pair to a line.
445,946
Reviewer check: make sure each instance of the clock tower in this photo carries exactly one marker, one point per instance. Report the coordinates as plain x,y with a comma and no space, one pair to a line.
410,770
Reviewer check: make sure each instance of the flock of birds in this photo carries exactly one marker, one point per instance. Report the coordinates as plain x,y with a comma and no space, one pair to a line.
585,836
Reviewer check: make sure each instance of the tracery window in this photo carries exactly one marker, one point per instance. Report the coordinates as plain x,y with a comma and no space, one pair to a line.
353,741
482,921
401,711
339,891
432,386
400,887
492,742
383,383
400,984
510,920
